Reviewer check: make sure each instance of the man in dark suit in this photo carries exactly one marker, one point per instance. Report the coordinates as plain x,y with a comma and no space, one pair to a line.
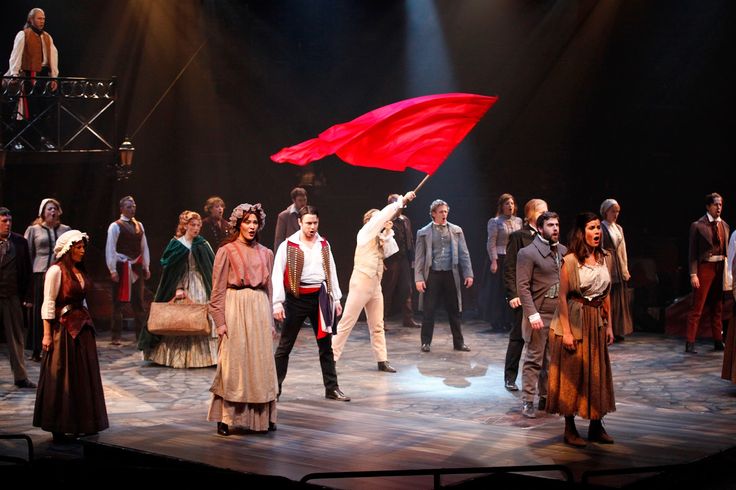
287,222
396,282
538,284
518,240
707,255
15,278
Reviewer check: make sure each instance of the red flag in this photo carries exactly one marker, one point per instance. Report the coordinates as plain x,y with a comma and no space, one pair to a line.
418,133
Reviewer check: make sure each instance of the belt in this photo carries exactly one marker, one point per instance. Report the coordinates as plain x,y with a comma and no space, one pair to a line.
244,286
595,302
715,258
67,308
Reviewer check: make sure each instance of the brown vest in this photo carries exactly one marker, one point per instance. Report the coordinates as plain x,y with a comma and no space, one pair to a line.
129,240
70,310
32,59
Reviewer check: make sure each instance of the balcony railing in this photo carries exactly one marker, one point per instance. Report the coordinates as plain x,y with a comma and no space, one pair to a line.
58,114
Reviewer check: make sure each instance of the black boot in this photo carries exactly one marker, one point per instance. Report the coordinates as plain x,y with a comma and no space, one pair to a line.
223,429
690,348
596,433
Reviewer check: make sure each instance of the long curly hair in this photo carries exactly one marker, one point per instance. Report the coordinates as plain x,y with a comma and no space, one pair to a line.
184,218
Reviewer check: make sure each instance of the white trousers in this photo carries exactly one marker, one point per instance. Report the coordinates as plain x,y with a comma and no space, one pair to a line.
364,293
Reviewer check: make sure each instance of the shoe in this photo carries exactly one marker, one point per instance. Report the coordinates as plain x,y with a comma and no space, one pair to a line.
690,348
596,433
386,367
410,323
542,404
336,394
571,436
718,345
425,348
61,438
115,342
271,426
25,383
510,385
35,357
223,429
463,348
527,410
46,144
619,338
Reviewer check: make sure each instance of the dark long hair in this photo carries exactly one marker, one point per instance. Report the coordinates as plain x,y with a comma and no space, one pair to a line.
236,230
577,238
66,263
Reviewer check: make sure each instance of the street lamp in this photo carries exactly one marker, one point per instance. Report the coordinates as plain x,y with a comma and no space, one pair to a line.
124,168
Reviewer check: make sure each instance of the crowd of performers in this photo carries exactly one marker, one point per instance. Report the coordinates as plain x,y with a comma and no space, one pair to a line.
565,303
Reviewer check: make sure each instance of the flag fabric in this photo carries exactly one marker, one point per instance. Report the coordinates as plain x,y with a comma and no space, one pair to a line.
418,133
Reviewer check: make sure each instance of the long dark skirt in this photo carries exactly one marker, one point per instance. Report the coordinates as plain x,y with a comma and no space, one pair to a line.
492,299
580,382
70,398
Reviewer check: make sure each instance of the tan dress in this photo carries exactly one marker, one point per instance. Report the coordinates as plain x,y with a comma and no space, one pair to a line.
244,389
580,382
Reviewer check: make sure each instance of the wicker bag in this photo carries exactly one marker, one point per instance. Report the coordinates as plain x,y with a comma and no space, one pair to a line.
182,318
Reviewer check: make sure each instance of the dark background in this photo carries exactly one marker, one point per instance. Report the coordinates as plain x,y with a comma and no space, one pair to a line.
625,99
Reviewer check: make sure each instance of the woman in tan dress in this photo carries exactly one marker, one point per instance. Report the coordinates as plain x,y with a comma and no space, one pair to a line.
580,381
244,389
615,244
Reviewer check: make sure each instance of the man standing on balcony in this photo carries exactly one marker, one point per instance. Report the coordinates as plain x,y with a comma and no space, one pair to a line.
34,55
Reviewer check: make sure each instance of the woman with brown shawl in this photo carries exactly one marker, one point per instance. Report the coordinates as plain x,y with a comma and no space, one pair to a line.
580,381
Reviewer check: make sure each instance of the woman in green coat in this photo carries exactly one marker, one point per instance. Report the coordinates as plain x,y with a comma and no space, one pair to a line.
187,273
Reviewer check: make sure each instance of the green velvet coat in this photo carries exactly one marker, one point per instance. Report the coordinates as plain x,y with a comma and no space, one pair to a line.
175,265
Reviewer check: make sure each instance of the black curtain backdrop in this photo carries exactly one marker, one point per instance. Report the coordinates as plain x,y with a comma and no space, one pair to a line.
624,99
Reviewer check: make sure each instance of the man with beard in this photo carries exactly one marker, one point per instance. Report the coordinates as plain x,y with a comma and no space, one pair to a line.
538,285
34,55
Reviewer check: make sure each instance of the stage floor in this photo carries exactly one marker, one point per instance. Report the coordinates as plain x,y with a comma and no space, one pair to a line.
443,409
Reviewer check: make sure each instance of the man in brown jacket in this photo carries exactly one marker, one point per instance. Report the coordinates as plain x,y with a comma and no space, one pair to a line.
538,285
707,255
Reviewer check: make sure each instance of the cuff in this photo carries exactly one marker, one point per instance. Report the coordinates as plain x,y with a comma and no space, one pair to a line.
535,317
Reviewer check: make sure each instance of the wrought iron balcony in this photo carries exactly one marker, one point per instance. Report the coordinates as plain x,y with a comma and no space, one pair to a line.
61,115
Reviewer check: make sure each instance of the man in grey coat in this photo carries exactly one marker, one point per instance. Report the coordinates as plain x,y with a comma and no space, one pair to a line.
538,285
441,266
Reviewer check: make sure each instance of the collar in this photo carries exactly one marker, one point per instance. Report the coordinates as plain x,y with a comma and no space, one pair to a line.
36,30
711,219
124,218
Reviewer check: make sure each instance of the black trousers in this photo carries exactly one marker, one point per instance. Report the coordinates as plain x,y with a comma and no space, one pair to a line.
515,347
297,310
137,290
396,286
441,284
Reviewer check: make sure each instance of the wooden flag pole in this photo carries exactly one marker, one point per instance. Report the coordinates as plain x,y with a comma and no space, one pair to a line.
426,177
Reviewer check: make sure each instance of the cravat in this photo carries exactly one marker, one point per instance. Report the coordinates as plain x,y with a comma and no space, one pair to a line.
716,235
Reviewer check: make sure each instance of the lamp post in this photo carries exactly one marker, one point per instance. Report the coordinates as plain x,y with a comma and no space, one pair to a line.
124,167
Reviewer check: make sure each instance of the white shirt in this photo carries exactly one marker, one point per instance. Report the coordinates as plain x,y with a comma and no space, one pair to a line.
16,56
312,273
112,256
730,266
51,287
